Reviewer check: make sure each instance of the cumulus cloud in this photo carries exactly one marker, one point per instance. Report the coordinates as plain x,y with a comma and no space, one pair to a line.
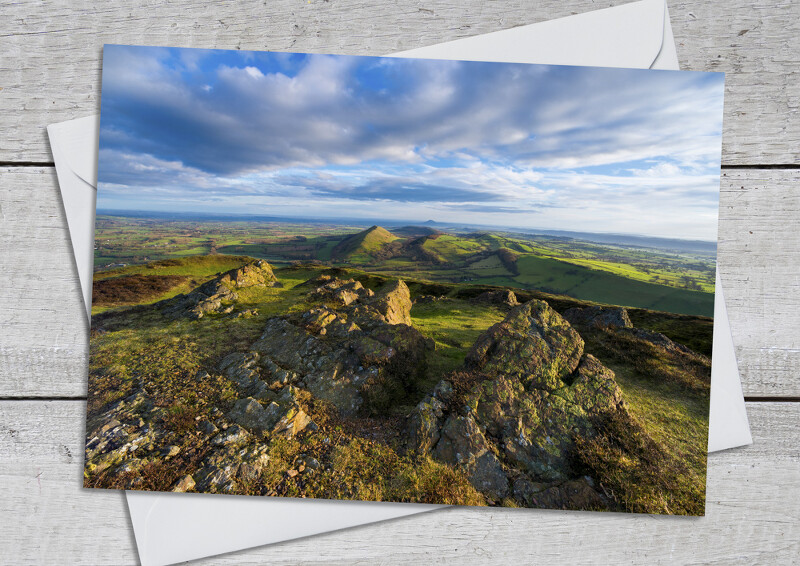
379,131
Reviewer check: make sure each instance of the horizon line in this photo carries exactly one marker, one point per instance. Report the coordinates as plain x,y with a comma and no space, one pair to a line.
421,223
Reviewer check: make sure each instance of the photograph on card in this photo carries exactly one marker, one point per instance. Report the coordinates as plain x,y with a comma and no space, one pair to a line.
389,279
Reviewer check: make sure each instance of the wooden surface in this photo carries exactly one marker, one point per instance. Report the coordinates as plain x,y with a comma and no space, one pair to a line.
49,71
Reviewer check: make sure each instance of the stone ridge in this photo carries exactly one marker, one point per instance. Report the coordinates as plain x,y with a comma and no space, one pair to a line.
356,350
217,295
513,433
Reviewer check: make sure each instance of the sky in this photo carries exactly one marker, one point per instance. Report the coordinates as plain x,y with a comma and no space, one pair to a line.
389,139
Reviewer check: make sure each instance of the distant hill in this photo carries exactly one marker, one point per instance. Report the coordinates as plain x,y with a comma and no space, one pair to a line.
364,244
416,231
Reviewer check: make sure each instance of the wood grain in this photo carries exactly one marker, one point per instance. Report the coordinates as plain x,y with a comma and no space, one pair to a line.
45,337
751,516
49,72
50,51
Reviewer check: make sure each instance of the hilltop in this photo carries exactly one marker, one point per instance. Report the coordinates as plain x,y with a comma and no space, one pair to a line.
307,381
362,246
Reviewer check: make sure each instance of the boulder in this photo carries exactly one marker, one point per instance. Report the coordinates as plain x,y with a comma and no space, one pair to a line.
215,296
533,343
531,393
424,425
393,302
251,415
256,273
351,354
505,297
464,446
339,292
603,316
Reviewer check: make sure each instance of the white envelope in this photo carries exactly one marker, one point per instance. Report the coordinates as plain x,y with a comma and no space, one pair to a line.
171,528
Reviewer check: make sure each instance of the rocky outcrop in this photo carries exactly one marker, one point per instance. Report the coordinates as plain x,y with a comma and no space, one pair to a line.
257,273
511,429
216,296
504,297
534,344
602,316
356,350
340,292
393,302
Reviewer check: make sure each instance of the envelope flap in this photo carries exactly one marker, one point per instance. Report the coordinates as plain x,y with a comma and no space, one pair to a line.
624,36
73,139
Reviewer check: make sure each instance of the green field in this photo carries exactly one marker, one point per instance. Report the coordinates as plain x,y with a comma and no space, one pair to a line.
665,280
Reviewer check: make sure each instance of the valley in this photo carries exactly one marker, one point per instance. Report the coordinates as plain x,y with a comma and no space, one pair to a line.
668,279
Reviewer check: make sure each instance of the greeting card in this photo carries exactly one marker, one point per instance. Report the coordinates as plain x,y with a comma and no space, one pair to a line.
396,279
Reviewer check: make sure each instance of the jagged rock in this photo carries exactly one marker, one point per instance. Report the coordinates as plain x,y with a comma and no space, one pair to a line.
535,429
349,355
292,422
594,387
321,366
533,343
463,445
241,368
234,435
207,427
528,393
393,302
424,425
316,320
215,295
504,297
340,292
603,316
284,416
256,273
250,414
214,479
252,462
276,375
184,484
262,392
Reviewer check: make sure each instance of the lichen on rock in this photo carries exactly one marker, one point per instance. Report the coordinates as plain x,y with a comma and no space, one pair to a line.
533,343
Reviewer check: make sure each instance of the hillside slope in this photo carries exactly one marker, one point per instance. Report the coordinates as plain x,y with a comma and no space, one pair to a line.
361,246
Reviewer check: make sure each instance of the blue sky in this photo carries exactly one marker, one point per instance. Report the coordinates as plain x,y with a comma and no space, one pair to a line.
320,136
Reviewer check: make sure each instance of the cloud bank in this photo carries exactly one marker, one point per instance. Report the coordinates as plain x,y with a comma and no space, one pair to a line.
609,150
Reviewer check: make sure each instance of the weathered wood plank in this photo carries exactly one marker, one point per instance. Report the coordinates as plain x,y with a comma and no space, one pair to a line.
50,52
44,343
751,515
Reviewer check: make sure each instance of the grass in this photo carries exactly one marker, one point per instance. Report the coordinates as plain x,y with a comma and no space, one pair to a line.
197,267
637,471
557,276
454,325
653,459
